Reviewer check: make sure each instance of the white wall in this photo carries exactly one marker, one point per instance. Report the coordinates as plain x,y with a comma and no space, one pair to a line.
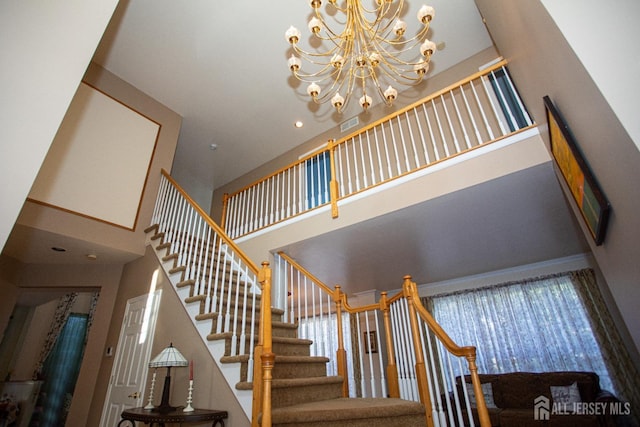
545,59
98,162
46,48
604,36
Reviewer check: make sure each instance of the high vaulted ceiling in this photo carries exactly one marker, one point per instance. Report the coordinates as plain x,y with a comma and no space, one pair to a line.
223,67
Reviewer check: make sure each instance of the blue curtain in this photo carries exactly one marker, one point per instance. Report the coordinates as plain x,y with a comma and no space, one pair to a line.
508,99
318,171
60,372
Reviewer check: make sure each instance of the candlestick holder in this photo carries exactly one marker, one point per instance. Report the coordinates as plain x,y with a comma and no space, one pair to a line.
153,385
189,408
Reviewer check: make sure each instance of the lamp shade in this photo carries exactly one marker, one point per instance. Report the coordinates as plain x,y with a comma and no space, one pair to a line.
168,357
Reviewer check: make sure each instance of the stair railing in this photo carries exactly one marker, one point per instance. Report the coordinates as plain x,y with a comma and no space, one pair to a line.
225,281
412,358
218,273
474,112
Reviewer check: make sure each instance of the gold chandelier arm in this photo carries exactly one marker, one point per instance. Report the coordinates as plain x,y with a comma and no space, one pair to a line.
312,56
395,57
382,16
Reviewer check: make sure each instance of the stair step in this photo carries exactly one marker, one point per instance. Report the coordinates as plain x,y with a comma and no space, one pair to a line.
280,345
224,300
349,412
291,346
279,329
294,391
276,316
285,367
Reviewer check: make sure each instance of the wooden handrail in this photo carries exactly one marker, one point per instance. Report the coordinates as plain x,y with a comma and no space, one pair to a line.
451,346
280,170
428,395
334,143
421,370
424,100
478,118
307,273
468,352
211,223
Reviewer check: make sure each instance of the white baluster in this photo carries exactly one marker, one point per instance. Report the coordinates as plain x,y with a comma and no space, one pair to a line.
471,116
484,116
460,121
454,135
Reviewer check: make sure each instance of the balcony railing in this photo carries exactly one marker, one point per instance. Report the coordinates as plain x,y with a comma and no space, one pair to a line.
474,112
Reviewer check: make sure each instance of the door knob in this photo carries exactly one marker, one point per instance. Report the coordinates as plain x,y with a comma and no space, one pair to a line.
134,395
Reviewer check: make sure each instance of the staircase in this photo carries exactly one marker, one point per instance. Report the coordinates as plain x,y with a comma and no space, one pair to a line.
302,393
263,356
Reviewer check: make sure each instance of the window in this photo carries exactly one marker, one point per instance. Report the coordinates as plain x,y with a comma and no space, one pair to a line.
318,176
509,101
322,330
537,325
61,370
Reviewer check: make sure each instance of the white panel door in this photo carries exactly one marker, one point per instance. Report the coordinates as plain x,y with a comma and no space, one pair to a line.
129,372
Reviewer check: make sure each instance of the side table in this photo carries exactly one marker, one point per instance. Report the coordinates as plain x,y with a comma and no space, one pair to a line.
177,416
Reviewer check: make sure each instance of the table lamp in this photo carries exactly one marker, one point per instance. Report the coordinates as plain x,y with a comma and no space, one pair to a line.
168,358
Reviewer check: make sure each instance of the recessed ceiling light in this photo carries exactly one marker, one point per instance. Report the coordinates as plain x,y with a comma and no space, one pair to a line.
213,147
298,124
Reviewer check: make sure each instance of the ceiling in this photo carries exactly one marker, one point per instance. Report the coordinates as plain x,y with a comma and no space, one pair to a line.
222,67
509,222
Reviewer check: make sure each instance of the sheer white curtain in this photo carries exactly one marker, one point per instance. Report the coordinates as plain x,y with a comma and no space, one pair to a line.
323,331
535,325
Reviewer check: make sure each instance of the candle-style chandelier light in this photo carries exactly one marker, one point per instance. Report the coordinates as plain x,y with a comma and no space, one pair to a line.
369,52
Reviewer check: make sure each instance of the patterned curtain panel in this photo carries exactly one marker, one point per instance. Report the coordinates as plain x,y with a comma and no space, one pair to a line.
60,372
626,379
59,320
535,325
322,330
92,312
62,357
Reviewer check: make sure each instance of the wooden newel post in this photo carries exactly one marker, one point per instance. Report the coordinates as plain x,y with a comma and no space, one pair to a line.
268,360
333,184
409,289
392,369
341,354
481,405
267,357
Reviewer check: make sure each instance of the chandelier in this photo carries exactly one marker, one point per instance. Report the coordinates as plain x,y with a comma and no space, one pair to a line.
368,53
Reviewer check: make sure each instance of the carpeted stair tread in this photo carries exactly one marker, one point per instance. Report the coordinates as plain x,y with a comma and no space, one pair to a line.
297,382
301,359
288,383
346,408
282,359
